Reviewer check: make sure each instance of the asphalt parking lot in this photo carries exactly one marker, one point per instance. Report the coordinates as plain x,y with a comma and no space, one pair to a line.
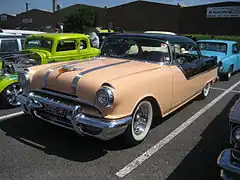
184,146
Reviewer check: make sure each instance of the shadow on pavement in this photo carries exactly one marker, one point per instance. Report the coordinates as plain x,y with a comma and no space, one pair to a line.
58,141
201,161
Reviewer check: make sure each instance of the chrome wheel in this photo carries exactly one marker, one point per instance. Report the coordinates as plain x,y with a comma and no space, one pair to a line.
11,94
142,120
206,90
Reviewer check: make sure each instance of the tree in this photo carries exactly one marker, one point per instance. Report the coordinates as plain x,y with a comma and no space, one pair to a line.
81,20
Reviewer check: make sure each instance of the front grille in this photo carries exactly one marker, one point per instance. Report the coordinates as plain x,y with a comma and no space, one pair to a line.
69,101
59,120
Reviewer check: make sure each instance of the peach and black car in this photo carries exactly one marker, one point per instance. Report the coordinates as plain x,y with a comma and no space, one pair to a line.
136,78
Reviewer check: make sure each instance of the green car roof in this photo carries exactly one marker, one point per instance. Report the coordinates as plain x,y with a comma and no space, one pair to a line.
58,36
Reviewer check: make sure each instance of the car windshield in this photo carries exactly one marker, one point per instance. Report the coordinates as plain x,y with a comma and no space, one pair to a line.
39,43
212,46
143,49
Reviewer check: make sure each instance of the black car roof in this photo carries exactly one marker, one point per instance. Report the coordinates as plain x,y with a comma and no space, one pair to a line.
172,39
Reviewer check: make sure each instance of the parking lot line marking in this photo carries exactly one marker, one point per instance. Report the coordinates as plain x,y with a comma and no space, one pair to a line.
5,117
221,89
140,159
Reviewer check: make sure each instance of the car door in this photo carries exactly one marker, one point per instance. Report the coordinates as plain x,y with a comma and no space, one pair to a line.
185,71
236,56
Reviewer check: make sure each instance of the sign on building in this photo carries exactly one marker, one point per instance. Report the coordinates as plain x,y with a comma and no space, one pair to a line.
223,12
27,20
3,17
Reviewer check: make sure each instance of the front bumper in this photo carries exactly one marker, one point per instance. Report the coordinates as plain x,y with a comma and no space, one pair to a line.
74,119
230,168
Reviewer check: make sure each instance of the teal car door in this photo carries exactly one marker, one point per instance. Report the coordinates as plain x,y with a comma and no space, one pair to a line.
236,56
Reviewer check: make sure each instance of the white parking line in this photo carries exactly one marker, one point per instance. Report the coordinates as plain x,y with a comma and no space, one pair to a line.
139,160
5,117
221,89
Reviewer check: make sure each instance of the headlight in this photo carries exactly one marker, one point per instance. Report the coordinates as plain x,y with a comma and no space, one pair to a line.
23,79
105,96
236,135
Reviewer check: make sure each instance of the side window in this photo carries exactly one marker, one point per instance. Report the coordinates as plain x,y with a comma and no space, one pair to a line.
235,49
185,53
9,45
66,45
83,44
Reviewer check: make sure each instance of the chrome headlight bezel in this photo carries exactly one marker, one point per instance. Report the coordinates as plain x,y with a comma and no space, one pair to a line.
105,97
235,134
23,79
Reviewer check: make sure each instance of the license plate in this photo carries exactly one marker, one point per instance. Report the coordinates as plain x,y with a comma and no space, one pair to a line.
56,110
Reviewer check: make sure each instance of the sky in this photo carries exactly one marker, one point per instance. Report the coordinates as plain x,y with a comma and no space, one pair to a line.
18,6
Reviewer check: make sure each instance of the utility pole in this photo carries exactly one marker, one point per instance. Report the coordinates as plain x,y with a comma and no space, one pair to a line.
54,5
27,6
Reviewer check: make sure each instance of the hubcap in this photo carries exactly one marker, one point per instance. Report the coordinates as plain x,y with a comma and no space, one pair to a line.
11,94
206,89
142,120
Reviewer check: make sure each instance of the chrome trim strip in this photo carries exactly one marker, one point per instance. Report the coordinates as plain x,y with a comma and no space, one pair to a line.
44,81
81,74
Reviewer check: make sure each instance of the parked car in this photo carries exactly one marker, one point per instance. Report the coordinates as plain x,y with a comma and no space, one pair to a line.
10,44
20,32
136,77
42,49
103,35
229,159
228,55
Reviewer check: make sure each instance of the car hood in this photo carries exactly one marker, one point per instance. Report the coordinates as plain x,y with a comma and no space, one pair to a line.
219,55
86,78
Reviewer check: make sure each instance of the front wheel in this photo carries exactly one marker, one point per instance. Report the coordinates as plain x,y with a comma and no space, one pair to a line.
9,96
141,123
227,76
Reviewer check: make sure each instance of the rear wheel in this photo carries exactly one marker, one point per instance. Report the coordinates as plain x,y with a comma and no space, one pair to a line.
205,91
141,123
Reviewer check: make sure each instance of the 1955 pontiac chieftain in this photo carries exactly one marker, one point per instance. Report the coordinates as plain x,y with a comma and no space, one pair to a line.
136,77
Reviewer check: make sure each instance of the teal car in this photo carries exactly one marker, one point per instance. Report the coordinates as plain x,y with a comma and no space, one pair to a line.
41,49
227,53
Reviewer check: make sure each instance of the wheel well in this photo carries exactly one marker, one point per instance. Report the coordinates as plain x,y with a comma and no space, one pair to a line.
156,107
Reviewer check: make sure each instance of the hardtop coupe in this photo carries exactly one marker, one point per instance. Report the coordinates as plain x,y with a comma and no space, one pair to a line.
136,77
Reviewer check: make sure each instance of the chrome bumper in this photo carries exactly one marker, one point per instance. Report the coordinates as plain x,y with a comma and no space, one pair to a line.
229,168
81,123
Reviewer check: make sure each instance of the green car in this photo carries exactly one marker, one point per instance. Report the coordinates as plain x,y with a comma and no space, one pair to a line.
41,49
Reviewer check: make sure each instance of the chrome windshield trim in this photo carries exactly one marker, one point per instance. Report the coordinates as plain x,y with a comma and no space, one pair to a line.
81,74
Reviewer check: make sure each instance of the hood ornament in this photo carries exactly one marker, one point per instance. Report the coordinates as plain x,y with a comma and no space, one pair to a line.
68,69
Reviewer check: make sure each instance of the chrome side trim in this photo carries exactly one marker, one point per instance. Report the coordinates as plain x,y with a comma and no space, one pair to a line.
81,74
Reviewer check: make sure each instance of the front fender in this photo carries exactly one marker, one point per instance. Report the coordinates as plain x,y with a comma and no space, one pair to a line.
5,81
